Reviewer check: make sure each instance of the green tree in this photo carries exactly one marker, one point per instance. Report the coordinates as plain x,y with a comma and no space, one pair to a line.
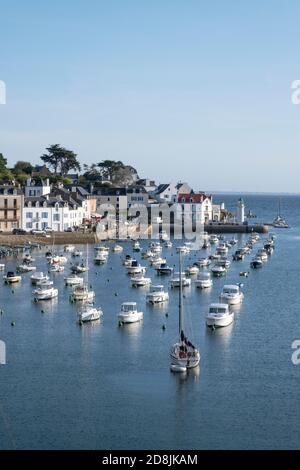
23,167
60,159
3,163
5,173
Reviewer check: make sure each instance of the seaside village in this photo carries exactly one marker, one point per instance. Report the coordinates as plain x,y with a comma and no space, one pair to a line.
49,204
39,206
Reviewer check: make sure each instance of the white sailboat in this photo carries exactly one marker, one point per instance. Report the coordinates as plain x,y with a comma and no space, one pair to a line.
82,292
184,355
279,221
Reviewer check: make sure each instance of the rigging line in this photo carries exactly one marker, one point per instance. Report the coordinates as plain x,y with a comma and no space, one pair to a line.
8,427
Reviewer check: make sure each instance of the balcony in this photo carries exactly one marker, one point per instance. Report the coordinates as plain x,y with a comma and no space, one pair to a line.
10,208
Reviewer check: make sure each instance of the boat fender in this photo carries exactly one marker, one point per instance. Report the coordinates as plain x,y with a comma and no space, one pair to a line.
120,323
213,327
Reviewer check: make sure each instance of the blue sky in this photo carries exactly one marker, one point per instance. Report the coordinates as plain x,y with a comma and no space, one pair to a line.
191,90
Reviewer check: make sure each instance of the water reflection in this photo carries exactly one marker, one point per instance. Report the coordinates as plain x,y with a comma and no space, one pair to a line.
221,335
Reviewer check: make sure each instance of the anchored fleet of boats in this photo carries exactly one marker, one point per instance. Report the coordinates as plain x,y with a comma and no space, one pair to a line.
184,354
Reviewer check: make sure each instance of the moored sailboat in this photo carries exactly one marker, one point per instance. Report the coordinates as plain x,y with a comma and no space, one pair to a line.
184,355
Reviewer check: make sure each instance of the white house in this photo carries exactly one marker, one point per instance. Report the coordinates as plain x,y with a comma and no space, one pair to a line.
197,207
165,193
37,187
40,213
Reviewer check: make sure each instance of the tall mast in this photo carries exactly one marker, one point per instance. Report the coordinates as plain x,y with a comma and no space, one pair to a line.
180,295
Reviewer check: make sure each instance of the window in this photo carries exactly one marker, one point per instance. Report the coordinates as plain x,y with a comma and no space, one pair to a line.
5,214
15,203
56,217
118,198
15,214
44,215
65,216
28,224
29,215
5,202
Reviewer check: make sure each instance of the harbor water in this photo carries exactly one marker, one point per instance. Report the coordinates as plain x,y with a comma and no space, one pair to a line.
102,386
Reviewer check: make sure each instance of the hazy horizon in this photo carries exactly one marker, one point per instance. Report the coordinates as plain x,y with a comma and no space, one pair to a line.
194,91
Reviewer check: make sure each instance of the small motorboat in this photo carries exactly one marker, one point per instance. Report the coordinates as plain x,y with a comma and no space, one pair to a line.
147,254
168,244
56,268
185,281
136,246
192,270
10,278
44,292
89,313
244,273
135,268
262,253
129,313
232,295
223,261
239,255
164,269
69,248
204,281
57,259
155,247
164,235
25,268
101,257
203,262
183,249
219,315
218,271
140,281
102,248
222,249
38,276
117,249
157,261
77,253
213,239
82,293
79,268
256,263
27,258
73,280
157,295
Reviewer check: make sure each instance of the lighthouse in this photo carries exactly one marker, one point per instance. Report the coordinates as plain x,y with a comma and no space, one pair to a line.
240,213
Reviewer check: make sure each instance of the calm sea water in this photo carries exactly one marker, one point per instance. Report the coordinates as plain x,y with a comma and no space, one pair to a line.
103,387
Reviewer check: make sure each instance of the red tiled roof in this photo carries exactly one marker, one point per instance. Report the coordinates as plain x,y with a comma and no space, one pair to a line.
193,197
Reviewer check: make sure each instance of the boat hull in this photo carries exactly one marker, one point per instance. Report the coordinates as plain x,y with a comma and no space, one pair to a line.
213,322
130,318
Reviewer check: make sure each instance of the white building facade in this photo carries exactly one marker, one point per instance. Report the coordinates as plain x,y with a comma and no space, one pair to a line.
42,213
